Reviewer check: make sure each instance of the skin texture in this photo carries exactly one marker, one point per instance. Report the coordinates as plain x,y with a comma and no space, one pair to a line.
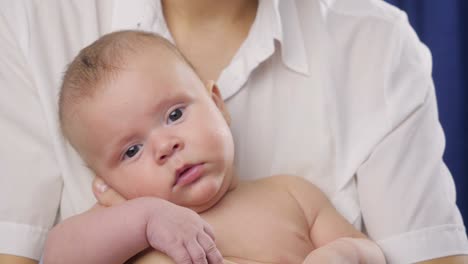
210,23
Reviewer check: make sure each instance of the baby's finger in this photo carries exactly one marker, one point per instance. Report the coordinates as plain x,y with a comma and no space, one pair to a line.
212,253
209,230
179,255
105,195
196,252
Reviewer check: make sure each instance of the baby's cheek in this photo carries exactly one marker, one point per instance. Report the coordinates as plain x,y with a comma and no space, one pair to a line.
221,140
153,190
138,182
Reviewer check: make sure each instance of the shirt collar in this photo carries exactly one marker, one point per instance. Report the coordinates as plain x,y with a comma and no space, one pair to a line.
280,22
287,30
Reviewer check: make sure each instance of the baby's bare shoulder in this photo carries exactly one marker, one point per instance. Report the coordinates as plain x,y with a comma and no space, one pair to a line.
289,181
281,179
300,188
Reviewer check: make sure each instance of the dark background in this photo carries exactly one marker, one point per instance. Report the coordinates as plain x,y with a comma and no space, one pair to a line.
443,26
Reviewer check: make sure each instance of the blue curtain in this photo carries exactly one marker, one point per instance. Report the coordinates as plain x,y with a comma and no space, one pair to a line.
443,26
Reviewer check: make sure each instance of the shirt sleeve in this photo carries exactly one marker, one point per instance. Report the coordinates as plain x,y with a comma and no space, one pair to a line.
406,193
30,182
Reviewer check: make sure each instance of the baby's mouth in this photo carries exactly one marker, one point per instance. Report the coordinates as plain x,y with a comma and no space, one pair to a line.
188,174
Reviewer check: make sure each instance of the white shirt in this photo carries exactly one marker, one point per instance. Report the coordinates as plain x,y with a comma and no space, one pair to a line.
338,92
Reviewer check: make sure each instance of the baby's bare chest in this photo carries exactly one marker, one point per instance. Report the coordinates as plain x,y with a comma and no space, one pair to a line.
260,226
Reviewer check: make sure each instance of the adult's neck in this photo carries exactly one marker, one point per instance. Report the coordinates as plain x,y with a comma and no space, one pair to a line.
207,11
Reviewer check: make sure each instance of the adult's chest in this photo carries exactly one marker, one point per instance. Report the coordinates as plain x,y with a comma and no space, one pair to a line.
254,228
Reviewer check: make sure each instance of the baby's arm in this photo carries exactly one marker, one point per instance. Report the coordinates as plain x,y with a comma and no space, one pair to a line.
101,235
114,234
154,257
335,239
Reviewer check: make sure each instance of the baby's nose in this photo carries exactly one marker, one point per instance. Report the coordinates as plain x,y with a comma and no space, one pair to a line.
167,149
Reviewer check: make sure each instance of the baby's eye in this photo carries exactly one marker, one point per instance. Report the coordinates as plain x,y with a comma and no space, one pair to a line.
175,115
132,151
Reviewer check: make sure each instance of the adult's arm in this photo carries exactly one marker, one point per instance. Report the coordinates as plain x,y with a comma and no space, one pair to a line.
447,260
406,192
16,260
30,182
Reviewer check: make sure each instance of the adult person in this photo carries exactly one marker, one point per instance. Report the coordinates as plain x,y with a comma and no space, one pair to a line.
346,79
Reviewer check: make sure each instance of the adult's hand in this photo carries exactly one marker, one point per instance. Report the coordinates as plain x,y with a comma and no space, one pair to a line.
448,260
174,230
16,260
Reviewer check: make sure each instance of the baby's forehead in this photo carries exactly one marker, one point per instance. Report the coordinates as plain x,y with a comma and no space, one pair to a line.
100,63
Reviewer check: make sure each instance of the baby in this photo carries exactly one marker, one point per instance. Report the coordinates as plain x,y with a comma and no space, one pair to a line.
143,121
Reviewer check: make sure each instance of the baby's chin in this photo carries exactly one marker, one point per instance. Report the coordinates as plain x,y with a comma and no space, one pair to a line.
204,194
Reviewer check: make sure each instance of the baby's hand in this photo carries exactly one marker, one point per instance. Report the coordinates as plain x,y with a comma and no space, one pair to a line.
183,235
176,231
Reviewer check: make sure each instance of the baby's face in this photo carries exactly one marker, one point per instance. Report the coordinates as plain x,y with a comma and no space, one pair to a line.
156,130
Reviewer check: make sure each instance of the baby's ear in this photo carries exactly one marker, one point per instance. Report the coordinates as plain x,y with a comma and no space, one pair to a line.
213,90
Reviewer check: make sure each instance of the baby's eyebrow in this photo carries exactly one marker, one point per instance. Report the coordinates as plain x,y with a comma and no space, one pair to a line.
112,153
